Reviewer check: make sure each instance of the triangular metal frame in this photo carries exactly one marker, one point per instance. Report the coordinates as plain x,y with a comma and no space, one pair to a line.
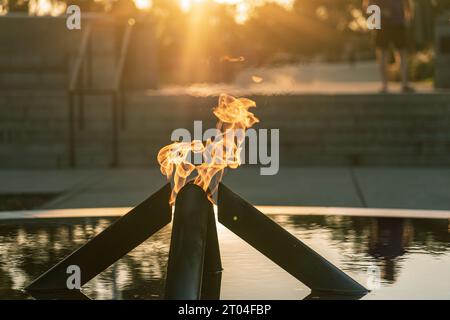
262,233
194,258
107,247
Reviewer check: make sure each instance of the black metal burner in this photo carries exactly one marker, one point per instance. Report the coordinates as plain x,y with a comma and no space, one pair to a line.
194,268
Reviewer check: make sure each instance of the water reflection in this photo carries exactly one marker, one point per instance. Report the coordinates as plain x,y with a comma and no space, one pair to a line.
29,247
385,239
388,241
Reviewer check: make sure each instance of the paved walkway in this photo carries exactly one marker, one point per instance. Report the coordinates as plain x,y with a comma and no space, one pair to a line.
313,78
405,188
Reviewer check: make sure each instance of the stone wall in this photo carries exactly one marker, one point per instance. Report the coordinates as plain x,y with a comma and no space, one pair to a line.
328,129
38,53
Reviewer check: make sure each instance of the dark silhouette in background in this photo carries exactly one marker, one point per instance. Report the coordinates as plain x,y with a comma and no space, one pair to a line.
396,17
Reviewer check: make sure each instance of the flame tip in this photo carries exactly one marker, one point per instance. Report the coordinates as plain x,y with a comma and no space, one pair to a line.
232,114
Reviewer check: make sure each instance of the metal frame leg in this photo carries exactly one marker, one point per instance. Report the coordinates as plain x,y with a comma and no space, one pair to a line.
111,244
212,272
283,248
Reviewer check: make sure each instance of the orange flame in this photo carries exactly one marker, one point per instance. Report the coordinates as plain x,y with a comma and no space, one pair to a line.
217,154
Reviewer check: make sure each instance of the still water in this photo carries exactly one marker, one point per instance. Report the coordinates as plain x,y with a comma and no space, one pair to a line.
411,256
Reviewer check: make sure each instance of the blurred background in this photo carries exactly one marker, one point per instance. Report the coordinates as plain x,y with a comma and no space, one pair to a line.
83,114
90,108
213,41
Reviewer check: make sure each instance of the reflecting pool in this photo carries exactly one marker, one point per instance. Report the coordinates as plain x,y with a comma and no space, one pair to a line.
399,258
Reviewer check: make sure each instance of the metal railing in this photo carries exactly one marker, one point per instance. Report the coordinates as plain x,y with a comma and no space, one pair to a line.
118,112
74,83
77,92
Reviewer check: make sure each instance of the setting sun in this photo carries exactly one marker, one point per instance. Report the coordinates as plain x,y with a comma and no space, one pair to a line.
242,7
144,5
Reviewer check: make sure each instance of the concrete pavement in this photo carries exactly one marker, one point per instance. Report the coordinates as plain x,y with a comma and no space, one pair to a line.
406,188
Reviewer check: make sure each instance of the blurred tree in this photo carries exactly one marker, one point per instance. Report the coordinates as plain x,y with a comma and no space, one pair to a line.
17,5
193,44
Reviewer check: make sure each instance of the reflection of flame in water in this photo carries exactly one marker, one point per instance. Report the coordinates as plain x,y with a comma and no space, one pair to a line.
217,154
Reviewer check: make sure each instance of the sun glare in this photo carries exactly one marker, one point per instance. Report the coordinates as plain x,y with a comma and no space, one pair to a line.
144,5
46,8
242,7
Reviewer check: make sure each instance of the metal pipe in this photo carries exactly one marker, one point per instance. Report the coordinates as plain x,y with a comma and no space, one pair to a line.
111,244
212,266
283,248
188,243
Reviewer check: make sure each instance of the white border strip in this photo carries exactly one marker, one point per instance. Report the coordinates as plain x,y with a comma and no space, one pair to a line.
357,212
278,210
